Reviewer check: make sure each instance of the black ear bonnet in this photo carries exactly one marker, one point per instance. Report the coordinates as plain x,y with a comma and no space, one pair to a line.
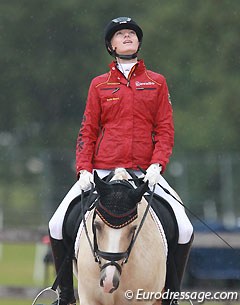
118,201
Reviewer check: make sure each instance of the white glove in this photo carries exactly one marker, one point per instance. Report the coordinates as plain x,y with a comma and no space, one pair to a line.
85,180
153,174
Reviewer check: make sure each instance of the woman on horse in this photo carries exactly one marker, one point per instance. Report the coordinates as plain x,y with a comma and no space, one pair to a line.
128,122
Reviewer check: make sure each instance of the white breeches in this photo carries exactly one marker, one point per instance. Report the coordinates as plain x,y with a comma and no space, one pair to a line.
184,224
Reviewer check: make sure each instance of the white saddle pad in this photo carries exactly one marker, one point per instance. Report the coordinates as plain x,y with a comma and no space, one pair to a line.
154,217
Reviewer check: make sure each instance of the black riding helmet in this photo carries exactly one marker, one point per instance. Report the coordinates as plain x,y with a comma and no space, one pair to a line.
116,25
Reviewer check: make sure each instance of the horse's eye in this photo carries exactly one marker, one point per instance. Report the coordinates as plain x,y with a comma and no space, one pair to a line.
133,229
97,226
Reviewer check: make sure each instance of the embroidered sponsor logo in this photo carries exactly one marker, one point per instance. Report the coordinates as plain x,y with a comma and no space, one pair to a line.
112,99
144,84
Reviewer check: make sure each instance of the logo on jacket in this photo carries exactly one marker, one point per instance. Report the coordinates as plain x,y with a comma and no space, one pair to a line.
144,84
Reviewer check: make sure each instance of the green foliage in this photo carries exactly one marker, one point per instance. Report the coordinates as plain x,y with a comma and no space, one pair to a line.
199,54
50,51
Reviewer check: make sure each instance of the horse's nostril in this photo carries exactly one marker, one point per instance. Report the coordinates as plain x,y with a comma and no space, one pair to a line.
116,280
113,289
109,278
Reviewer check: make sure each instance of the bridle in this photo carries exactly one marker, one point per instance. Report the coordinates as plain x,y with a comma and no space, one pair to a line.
112,258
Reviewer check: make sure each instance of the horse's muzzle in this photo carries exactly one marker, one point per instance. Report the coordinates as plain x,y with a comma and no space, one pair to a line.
109,278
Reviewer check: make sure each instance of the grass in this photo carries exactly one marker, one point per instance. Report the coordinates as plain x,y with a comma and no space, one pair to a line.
17,265
21,265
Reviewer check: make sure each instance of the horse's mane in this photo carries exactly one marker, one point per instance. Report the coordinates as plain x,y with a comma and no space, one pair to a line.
120,174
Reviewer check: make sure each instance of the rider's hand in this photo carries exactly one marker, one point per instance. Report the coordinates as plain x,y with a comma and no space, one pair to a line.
153,174
85,180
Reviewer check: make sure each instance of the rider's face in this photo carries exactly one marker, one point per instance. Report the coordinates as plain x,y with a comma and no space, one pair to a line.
125,42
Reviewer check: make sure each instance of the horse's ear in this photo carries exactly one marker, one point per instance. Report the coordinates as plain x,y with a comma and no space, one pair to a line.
100,184
139,192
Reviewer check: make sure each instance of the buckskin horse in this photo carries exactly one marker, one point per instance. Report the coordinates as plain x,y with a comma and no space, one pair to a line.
121,255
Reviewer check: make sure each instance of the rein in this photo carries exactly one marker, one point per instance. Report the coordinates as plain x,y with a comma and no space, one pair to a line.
193,214
111,257
96,258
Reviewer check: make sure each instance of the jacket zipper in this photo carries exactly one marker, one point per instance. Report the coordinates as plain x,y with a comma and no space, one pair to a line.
130,75
100,141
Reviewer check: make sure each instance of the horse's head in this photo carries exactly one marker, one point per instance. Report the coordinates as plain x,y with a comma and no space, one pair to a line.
114,226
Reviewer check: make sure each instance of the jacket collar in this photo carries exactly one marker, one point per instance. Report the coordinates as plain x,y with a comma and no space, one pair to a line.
140,68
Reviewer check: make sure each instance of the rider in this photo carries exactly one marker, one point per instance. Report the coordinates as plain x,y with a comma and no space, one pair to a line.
128,122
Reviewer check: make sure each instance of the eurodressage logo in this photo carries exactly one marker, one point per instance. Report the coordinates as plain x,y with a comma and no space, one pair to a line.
142,295
183,296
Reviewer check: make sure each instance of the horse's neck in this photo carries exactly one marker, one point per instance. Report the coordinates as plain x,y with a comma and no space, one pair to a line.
142,207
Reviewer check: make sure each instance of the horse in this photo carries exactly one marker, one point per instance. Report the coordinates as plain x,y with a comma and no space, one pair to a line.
121,257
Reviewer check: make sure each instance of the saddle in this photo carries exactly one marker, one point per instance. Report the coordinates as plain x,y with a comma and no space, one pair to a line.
80,205
165,214
74,215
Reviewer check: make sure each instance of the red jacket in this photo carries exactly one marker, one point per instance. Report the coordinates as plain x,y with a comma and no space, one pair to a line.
126,123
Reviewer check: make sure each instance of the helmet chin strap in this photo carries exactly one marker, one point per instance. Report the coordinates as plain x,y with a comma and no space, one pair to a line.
121,56
125,57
